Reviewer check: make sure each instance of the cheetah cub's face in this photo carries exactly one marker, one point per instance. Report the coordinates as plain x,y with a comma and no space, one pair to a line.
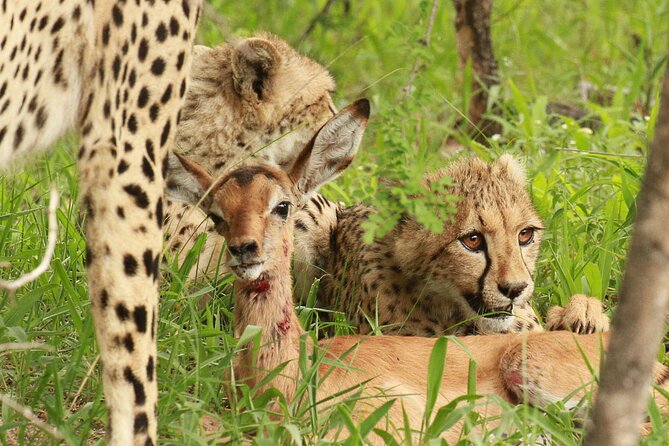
486,255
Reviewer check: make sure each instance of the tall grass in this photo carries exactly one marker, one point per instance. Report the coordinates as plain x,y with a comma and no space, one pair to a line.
583,180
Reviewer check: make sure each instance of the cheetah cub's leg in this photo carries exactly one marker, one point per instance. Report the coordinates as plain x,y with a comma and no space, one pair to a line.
582,315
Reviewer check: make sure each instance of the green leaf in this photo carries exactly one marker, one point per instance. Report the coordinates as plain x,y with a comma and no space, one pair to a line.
354,437
447,416
386,437
250,333
370,422
435,375
294,432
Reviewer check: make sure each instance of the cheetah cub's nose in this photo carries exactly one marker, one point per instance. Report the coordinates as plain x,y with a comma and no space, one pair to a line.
512,290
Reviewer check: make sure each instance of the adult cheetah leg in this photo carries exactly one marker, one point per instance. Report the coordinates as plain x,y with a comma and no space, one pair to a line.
128,117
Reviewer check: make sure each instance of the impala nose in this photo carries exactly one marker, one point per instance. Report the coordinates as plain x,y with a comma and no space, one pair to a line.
244,248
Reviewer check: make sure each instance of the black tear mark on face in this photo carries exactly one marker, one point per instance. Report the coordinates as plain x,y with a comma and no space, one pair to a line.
475,300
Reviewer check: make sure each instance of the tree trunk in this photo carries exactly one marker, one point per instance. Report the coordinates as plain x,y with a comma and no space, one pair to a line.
474,41
640,318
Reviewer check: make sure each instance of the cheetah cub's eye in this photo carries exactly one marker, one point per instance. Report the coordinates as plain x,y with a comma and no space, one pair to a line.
282,209
526,236
474,241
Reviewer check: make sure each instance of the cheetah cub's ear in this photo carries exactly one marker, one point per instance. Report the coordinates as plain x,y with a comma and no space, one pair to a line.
331,149
254,62
328,153
188,182
513,168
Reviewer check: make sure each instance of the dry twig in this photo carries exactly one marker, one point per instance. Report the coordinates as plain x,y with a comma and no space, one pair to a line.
596,152
216,18
73,406
29,415
312,24
19,346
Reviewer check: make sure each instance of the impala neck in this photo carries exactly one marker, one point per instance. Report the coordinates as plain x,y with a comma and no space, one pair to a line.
267,302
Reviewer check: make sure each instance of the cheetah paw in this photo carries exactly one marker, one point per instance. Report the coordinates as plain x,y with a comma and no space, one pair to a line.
582,315
526,319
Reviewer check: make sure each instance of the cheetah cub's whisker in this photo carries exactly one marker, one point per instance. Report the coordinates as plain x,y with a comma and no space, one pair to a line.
253,209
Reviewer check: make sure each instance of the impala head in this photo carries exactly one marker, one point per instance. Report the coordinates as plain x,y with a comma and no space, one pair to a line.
252,206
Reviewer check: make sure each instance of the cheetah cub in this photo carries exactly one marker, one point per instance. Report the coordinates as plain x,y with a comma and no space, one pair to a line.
473,278
253,98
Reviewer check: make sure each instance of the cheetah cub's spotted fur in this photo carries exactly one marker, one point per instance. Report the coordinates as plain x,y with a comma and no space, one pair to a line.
260,98
474,278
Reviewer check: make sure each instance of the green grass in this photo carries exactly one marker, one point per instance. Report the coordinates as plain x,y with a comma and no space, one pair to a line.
583,183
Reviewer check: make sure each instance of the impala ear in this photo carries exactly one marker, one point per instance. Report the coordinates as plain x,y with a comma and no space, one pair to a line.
331,150
187,181
254,62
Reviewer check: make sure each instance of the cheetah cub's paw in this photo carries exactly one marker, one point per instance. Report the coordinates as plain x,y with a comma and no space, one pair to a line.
526,319
582,315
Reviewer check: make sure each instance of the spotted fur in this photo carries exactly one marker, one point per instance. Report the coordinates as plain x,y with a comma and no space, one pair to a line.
414,282
117,71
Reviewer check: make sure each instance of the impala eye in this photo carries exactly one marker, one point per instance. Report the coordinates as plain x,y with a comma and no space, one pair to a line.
282,209
215,219
474,241
526,236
